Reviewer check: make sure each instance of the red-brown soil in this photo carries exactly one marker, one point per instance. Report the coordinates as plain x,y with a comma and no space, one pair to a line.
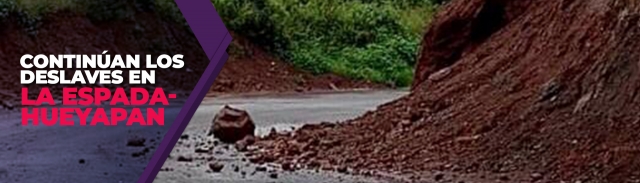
543,90
66,32
250,69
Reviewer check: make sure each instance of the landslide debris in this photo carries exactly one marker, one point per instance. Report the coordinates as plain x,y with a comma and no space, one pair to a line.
544,90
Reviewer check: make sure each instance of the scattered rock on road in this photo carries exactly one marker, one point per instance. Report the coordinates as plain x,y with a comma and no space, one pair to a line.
185,159
244,143
216,167
231,125
261,169
203,150
273,175
136,141
286,166
342,169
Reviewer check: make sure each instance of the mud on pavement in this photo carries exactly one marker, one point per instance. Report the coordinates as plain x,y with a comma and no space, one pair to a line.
509,90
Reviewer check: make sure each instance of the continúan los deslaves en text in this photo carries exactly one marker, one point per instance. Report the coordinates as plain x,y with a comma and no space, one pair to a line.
85,99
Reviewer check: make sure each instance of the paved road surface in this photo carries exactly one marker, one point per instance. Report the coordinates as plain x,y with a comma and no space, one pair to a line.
75,154
281,112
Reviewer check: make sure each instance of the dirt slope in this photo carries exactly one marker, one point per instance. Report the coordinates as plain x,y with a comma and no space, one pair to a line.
250,69
542,90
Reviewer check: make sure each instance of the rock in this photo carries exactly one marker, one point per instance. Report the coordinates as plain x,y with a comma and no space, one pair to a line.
140,153
81,161
308,154
136,141
329,143
184,136
441,74
313,164
216,167
504,177
8,105
244,143
261,169
272,132
536,176
202,150
273,175
342,169
366,173
185,159
326,167
582,102
165,169
257,159
549,90
231,125
287,166
333,86
405,123
438,177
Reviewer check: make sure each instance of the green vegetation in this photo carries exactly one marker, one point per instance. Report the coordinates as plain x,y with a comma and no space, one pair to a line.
363,39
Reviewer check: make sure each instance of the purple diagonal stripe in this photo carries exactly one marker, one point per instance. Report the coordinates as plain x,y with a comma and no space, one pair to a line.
214,39
205,23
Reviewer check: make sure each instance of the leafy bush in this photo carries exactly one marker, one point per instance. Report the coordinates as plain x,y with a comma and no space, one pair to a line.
364,39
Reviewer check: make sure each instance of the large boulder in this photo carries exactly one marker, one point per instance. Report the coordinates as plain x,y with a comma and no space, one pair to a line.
231,125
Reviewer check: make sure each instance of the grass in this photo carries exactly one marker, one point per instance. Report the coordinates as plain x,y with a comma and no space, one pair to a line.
373,40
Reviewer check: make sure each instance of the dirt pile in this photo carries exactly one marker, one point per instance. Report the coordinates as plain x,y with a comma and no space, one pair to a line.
542,90
251,69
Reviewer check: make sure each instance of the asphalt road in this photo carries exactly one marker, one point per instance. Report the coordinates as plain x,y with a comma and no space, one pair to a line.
77,153
282,112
